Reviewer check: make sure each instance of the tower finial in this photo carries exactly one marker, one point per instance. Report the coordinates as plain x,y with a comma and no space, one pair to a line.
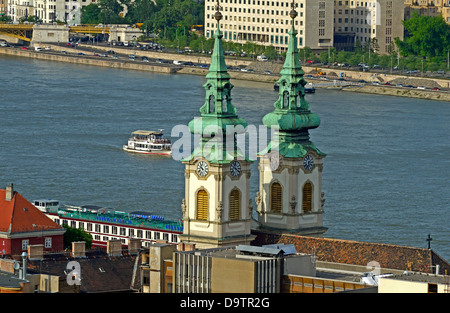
218,15
293,14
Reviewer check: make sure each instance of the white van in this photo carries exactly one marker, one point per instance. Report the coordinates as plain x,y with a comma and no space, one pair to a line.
177,62
261,58
37,49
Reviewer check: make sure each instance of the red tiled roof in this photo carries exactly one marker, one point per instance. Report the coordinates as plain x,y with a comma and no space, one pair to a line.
358,253
19,215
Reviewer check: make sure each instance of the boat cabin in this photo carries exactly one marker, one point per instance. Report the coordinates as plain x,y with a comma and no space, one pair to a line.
47,205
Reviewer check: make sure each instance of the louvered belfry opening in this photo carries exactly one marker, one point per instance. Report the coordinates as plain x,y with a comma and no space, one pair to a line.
235,205
307,197
275,197
202,205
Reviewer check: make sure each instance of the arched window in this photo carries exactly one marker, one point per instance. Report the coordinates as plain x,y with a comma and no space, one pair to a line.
275,197
202,205
307,197
235,205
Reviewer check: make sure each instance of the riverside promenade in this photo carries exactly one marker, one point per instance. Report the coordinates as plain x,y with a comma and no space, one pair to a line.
71,55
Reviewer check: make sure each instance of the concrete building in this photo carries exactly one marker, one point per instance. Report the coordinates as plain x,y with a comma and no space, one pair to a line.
48,11
240,269
268,23
377,22
428,8
414,283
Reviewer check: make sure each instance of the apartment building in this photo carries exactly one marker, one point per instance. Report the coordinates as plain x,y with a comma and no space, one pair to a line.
48,11
428,8
267,22
360,22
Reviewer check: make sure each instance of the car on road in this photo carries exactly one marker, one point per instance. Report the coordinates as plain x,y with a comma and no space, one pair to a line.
24,48
267,72
421,87
436,89
176,62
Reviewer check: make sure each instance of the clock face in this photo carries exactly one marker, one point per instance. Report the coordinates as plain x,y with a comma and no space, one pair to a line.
202,168
308,162
235,168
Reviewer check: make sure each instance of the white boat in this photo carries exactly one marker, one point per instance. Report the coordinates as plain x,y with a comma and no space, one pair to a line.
110,224
148,142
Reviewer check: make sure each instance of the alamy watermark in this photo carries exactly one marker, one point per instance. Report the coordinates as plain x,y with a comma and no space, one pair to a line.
213,139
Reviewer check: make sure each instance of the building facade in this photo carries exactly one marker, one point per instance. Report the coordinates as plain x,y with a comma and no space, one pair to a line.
428,8
375,23
48,11
22,225
267,22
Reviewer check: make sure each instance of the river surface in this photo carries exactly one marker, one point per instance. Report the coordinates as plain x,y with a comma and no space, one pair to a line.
62,126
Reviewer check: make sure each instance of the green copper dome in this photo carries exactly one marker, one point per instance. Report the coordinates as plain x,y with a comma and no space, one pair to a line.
218,121
292,117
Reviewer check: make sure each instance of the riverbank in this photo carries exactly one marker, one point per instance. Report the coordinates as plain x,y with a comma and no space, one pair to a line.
73,57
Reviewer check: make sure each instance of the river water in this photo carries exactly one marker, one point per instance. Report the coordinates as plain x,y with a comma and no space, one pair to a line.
386,175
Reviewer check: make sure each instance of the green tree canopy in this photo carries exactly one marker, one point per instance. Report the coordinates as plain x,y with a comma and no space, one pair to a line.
426,36
76,234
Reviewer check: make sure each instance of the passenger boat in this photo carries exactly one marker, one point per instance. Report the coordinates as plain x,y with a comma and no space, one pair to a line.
309,88
109,224
148,142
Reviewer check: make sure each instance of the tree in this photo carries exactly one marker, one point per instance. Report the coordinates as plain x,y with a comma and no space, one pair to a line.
271,53
76,234
90,14
427,36
109,11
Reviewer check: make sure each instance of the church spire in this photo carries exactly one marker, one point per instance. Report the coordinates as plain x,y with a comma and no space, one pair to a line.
292,116
218,115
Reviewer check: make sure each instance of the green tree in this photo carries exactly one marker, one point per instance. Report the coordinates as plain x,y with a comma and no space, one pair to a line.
426,36
76,234
90,14
271,53
109,11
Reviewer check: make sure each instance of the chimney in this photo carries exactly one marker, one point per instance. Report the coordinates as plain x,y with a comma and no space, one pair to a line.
114,247
134,245
78,249
9,192
35,252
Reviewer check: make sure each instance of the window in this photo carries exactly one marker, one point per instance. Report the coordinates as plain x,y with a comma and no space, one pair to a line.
275,197
307,198
202,205
25,244
48,243
235,205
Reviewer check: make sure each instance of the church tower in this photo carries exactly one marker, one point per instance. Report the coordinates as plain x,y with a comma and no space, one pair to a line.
217,207
290,198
